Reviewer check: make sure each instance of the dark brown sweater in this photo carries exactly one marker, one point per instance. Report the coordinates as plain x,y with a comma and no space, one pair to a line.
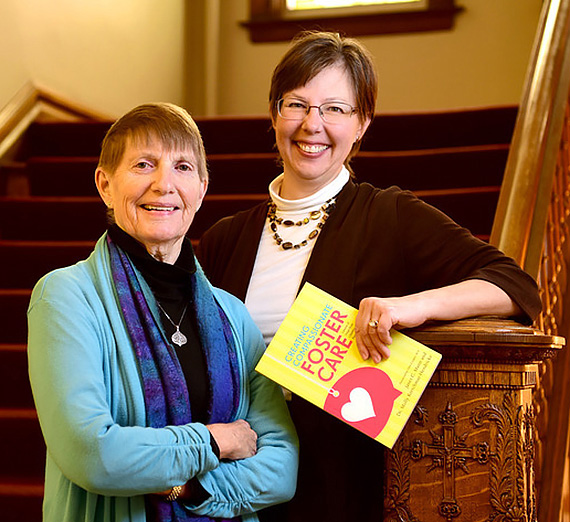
383,243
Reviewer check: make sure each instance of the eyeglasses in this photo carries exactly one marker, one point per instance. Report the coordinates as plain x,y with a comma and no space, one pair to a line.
331,112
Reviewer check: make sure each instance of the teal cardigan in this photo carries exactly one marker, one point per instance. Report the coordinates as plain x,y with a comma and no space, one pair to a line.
101,459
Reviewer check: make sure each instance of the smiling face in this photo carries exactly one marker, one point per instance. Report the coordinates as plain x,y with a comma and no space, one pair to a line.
312,150
154,193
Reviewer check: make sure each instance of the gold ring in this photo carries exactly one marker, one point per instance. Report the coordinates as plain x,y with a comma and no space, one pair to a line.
373,323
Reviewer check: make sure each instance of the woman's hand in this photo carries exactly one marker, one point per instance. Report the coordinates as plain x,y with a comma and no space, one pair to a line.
376,316
236,440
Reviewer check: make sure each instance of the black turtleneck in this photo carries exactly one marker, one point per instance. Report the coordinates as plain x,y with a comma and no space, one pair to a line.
171,287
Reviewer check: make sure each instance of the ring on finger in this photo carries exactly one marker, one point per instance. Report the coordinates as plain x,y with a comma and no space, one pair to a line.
373,323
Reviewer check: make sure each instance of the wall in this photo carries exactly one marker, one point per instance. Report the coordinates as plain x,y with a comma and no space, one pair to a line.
14,71
103,54
482,62
110,56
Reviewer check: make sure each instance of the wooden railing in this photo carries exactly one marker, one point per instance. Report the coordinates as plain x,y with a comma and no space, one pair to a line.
522,212
33,103
531,225
498,446
469,451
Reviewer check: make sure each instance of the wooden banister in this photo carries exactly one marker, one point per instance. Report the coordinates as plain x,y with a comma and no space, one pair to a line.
32,103
498,447
469,452
521,216
532,225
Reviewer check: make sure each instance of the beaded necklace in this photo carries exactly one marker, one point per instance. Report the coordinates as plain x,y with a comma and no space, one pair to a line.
274,221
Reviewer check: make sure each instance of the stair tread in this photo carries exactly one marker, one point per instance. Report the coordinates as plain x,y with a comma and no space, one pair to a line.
224,156
18,243
13,306
30,260
412,170
258,196
21,487
254,133
62,159
49,199
84,218
13,347
20,292
18,413
96,199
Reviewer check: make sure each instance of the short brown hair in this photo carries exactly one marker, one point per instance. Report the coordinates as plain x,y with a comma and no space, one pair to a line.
311,52
170,124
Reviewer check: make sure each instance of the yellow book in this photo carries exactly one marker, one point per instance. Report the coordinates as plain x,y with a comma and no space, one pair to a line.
314,355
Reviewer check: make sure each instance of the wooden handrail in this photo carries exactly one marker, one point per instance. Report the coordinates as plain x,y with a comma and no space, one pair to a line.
532,226
32,103
521,215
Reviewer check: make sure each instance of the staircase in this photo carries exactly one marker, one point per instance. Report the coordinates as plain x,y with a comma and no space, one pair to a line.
51,216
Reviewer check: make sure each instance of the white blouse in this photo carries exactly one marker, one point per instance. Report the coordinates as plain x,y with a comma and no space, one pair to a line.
277,273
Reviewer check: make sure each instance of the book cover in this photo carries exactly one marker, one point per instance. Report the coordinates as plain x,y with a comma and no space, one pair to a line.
314,355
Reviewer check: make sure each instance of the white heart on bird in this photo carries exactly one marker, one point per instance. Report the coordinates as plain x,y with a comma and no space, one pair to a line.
359,407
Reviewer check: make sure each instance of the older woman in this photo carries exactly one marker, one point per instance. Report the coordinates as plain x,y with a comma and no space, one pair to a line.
142,372
395,258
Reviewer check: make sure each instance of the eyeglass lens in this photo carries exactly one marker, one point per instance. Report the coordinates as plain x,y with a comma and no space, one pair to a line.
292,109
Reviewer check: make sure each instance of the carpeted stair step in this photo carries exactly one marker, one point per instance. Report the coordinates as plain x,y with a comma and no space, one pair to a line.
74,176
21,500
220,135
242,173
84,219
432,130
433,169
51,218
472,208
233,135
15,391
252,173
226,135
13,308
14,178
22,451
29,260
64,138
62,175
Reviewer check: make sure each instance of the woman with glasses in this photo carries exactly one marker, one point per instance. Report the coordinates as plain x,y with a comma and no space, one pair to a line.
398,260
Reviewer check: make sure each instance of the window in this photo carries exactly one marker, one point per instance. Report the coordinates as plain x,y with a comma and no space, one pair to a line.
280,20
297,5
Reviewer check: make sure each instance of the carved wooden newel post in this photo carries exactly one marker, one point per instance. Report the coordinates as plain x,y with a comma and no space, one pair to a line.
467,453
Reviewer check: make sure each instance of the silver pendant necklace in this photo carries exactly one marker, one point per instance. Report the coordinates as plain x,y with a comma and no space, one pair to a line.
178,337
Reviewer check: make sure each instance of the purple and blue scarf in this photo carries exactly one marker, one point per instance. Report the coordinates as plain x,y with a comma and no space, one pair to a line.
165,389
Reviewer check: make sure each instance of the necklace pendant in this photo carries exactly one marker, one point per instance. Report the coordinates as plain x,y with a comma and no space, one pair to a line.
179,338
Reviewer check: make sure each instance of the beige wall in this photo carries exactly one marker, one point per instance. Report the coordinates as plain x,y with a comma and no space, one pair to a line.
482,62
108,55
14,71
